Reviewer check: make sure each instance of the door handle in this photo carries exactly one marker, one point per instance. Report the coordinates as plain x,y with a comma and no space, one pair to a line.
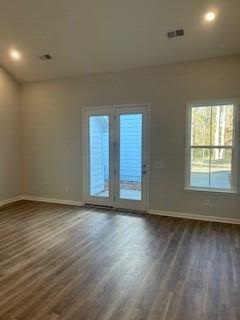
144,169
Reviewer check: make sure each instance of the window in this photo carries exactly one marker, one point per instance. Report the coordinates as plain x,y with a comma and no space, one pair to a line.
211,155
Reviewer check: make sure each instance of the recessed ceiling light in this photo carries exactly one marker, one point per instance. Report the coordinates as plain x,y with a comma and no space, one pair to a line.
15,54
210,16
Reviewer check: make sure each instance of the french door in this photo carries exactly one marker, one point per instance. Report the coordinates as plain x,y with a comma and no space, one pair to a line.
115,157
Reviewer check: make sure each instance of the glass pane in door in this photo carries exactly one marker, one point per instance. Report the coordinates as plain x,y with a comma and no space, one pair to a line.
99,155
131,156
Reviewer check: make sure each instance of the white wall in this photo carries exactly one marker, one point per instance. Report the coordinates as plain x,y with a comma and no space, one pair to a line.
52,128
10,164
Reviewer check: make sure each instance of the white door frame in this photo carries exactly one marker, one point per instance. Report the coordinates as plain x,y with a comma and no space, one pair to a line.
113,201
102,201
127,203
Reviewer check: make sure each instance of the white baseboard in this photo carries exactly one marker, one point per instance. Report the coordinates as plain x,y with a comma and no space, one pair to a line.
192,216
182,215
57,201
11,200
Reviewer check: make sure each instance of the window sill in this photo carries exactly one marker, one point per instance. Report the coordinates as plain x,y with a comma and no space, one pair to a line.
212,191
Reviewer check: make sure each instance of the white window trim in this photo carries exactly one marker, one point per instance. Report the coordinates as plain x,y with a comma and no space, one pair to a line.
235,147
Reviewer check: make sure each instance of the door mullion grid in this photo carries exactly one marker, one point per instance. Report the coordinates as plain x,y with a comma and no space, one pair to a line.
115,146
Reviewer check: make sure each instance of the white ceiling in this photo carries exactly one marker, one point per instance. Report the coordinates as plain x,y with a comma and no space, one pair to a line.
86,36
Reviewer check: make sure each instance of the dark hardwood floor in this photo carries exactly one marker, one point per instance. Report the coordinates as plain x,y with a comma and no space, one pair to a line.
60,262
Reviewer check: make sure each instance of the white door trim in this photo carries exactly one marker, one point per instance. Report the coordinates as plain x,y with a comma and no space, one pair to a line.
108,201
85,153
130,204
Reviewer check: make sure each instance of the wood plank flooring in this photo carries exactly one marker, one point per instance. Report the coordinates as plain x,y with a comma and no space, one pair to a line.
67,263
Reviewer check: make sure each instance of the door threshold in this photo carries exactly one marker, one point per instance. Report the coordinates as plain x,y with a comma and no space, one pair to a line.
97,206
88,205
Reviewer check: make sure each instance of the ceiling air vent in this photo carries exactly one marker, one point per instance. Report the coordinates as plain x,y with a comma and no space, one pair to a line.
45,57
175,33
